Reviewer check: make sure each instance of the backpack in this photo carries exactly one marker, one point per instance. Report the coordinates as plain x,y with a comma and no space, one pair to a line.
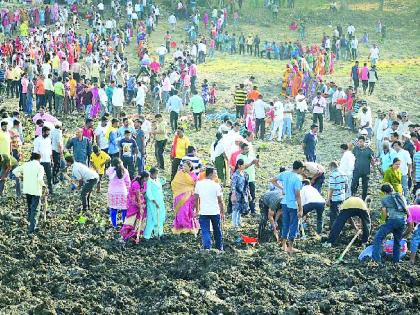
400,202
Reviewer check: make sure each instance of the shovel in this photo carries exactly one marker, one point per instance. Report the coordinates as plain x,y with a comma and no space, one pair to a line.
340,259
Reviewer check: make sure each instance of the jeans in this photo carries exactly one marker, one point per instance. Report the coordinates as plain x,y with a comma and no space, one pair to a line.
49,95
415,241
318,118
300,119
28,108
140,163
86,191
40,101
341,220
159,149
260,127
59,99
334,211
349,120
289,227
240,111
394,226
319,208
197,120
236,216
173,118
355,184
33,211
48,173
287,126
128,163
204,221
404,183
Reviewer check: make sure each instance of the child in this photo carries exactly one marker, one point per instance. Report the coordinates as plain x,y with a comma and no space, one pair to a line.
205,92
213,92
270,116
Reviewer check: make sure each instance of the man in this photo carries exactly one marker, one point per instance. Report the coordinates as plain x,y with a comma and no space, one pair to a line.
43,146
354,44
350,208
301,108
82,147
99,159
57,150
386,157
141,145
40,92
140,97
406,164
270,209
250,161
309,144
354,75
381,124
59,95
87,179
389,131
239,99
117,100
373,78
208,203
179,150
346,165
7,164
113,138
260,108
278,120
174,107
374,55
100,135
128,152
364,159
319,104
162,51
195,161
160,135
5,140
408,144
33,181
49,91
291,205
44,116
336,191
197,107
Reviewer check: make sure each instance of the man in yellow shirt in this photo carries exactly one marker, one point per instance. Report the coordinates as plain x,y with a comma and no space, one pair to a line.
179,150
5,140
98,160
16,76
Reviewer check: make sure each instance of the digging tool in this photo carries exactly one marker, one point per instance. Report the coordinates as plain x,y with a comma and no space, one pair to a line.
340,259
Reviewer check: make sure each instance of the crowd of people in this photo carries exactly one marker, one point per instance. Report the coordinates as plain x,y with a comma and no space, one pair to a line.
45,60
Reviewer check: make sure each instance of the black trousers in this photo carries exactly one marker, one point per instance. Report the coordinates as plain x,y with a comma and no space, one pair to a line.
128,163
197,120
56,165
318,118
371,87
49,98
252,199
342,219
159,150
319,208
240,111
48,173
86,191
260,127
355,184
173,119
365,85
33,211
241,49
175,166
16,88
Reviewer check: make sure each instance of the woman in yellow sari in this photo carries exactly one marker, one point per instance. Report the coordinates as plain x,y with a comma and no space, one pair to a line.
393,175
285,82
183,186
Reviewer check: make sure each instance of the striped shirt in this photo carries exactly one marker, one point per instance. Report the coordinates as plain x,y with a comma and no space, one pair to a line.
196,163
240,97
416,161
337,183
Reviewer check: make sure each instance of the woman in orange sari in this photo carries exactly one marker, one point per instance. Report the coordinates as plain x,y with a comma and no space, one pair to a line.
183,186
297,83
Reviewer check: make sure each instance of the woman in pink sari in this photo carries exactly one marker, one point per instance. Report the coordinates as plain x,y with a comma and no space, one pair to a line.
183,186
135,221
96,105
249,116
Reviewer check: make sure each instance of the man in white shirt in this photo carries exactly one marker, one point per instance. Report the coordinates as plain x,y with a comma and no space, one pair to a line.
208,203
406,165
57,150
354,44
117,100
146,126
381,124
172,22
351,30
103,99
87,179
366,120
100,133
319,103
278,120
33,181
312,200
43,146
301,109
162,51
346,166
374,55
140,97
337,115
260,108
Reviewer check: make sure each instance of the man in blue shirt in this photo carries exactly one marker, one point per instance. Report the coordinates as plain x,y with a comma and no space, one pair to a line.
291,204
139,137
355,75
82,147
174,107
131,82
309,144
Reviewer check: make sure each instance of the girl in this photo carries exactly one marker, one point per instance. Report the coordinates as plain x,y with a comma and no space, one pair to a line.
239,193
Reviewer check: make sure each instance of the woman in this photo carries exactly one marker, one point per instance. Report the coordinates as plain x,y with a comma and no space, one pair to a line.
219,158
119,184
395,214
136,213
183,186
239,193
393,176
156,212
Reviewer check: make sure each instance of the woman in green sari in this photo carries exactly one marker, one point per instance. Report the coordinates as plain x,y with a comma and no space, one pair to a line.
156,213
393,175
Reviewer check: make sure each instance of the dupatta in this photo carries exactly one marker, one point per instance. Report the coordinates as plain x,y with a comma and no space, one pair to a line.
182,183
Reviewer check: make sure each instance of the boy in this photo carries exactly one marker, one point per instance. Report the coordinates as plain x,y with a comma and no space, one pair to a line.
99,159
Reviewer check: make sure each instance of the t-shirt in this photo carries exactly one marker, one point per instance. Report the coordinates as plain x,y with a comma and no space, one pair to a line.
181,147
389,203
250,170
4,142
128,147
291,184
363,159
310,194
416,161
272,199
97,160
310,140
405,158
337,183
354,203
208,191
413,214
